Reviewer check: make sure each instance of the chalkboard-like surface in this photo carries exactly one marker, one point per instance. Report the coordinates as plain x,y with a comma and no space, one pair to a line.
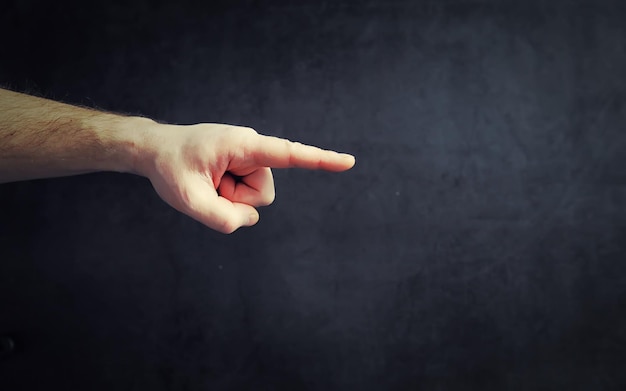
479,243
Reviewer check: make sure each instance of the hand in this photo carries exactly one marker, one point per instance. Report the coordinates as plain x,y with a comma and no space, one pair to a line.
218,174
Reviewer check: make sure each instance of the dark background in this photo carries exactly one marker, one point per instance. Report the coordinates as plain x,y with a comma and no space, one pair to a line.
479,243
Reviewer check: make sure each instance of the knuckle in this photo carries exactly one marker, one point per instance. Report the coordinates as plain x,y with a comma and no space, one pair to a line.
244,137
247,131
289,148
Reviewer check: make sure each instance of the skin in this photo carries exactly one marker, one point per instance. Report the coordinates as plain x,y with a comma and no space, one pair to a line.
217,174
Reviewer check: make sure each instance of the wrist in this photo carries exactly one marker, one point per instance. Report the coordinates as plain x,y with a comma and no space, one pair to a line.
126,143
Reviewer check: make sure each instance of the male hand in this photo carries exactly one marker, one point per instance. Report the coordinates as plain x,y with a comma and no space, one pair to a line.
218,174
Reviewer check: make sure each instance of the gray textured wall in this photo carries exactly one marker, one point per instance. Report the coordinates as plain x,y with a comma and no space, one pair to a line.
479,243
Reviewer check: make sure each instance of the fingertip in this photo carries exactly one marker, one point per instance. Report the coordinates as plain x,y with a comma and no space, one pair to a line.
349,160
339,162
249,214
253,218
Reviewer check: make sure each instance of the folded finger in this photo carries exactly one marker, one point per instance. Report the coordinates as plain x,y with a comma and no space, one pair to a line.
218,212
256,188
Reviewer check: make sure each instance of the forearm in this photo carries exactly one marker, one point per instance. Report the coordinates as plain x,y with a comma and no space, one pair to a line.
41,138
217,174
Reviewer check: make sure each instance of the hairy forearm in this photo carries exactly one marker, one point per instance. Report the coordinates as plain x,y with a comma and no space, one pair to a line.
40,138
217,174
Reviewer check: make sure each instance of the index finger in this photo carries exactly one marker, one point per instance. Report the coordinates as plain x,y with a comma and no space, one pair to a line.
274,152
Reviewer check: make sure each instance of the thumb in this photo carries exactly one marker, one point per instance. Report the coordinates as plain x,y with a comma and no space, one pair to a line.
216,212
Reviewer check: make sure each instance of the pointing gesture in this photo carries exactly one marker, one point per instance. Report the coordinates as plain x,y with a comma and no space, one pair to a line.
218,174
